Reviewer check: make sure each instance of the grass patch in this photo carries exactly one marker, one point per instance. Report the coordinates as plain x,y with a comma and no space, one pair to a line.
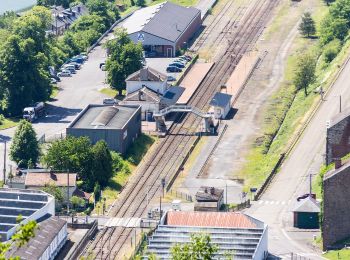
109,92
338,254
139,148
8,123
55,91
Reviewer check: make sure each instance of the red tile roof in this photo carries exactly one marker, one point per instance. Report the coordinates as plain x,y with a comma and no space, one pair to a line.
40,179
209,219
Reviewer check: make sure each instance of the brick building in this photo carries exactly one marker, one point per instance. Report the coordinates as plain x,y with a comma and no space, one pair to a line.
336,210
338,134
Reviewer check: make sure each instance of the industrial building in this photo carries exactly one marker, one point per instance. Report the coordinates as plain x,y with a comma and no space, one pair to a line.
235,234
30,204
163,28
338,134
50,237
118,125
336,210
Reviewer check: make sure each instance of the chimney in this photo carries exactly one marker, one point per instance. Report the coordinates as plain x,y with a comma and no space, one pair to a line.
144,74
140,95
337,163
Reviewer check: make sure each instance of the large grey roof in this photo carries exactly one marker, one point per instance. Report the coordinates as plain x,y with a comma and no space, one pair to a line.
171,21
88,118
44,235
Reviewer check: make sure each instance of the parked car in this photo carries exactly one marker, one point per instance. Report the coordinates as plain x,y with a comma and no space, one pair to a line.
83,56
76,65
184,62
77,60
102,64
103,67
109,101
171,68
177,64
150,54
54,76
53,81
171,78
71,69
64,73
186,57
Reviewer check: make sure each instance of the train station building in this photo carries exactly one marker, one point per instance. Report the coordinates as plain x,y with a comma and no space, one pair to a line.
164,28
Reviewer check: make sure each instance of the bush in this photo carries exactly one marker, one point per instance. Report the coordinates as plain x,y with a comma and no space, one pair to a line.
331,50
2,118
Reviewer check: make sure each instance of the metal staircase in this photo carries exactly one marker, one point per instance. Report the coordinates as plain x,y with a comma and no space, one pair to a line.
160,116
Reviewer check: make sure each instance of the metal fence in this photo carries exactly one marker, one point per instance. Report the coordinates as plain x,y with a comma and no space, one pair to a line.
181,195
50,138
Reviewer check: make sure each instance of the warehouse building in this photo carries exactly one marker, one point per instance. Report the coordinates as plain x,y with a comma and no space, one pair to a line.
236,235
163,28
118,125
30,204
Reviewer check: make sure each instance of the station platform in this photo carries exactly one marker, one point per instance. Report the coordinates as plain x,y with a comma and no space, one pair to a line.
236,82
192,81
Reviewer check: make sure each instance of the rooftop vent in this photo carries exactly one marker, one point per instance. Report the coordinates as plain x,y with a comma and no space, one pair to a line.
105,116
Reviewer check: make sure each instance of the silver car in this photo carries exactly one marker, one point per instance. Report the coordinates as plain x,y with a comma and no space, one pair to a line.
109,101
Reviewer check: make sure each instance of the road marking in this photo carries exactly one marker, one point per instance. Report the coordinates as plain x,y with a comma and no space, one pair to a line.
277,202
283,202
261,202
272,202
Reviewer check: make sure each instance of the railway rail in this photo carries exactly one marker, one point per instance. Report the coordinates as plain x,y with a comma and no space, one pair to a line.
165,161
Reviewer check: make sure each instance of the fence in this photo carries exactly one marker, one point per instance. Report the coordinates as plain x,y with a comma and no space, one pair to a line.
243,205
47,139
181,195
74,254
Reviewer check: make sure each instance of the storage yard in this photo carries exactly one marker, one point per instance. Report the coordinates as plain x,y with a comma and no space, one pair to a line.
171,151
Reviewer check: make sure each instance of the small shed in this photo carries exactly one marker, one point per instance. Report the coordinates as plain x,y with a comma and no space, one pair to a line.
222,104
209,199
306,214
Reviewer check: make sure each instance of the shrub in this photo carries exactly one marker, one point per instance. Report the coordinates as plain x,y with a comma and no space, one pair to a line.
331,50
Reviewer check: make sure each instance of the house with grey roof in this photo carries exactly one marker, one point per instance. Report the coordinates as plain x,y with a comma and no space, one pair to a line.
163,28
118,125
306,213
221,103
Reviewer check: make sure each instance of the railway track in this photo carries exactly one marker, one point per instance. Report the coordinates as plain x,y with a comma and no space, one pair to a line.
170,153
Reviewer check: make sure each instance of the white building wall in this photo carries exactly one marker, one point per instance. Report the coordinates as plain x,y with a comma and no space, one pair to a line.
156,86
261,251
145,107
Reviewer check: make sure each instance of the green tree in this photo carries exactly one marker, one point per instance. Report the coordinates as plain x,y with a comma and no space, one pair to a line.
199,248
305,72
97,192
77,202
124,58
140,2
55,191
333,28
307,25
23,234
48,3
25,146
102,163
331,50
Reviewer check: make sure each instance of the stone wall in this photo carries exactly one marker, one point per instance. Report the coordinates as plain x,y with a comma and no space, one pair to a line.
336,206
338,134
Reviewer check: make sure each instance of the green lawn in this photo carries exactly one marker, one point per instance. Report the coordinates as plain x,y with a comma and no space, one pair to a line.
8,123
55,91
338,254
109,92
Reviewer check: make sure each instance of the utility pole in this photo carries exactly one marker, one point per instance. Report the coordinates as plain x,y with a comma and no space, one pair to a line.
310,184
68,192
339,103
4,171
160,208
226,199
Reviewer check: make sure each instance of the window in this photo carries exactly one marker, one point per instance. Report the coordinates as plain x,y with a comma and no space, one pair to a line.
125,134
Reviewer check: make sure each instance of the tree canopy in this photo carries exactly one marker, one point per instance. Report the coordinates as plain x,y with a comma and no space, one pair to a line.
307,25
199,248
125,57
305,72
93,163
25,147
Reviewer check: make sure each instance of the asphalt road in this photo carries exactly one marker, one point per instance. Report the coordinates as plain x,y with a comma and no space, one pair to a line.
76,92
274,208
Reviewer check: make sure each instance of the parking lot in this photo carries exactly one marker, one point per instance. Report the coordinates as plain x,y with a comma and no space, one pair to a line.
160,64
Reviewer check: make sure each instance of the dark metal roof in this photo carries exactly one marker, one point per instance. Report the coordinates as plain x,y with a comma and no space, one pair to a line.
147,74
309,205
209,194
44,235
144,94
221,99
90,116
171,21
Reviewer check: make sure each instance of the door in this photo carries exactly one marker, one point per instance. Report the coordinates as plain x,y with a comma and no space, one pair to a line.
169,52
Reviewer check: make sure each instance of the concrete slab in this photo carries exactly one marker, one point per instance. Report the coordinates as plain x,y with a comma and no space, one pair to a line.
204,6
192,80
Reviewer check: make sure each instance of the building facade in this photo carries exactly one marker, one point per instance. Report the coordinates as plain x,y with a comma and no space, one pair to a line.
163,28
118,125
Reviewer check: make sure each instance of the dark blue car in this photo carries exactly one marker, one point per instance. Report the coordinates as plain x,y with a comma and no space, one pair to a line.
177,64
